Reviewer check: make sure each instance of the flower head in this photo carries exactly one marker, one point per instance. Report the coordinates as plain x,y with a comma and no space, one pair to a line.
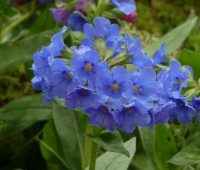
125,6
61,15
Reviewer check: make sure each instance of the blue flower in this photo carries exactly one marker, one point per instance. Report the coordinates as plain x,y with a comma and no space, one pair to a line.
60,15
102,116
57,43
160,111
61,78
115,83
86,67
196,103
82,97
100,28
144,86
174,79
133,44
76,22
160,55
133,115
114,40
183,112
125,6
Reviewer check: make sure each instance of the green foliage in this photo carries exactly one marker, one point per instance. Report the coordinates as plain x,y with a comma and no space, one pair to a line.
22,113
22,51
110,142
173,39
116,161
70,135
190,152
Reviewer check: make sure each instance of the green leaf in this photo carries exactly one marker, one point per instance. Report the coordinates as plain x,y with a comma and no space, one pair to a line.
141,162
111,142
147,140
19,52
70,135
44,22
191,58
50,154
190,153
21,114
164,147
117,161
50,137
173,39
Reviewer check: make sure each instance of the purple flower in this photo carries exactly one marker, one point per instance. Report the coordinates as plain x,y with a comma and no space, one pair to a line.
159,56
61,78
76,22
196,103
183,112
133,115
125,6
174,78
113,84
87,67
82,97
61,15
102,116
57,43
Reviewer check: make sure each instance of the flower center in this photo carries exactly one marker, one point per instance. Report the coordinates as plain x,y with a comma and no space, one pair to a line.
68,75
179,81
88,67
115,87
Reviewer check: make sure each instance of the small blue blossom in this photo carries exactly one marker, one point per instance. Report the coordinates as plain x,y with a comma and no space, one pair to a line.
102,116
174,78
144,86
57,43
81,97
196,103
159,56
125,6
115,83
133,115
65,81
76,22
183,112
87,67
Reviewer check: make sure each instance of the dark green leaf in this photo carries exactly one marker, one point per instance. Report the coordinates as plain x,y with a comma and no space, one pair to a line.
191,58
51,138
141,162
50,154
164,147
69,135
174,38
44,22
21,114
111,142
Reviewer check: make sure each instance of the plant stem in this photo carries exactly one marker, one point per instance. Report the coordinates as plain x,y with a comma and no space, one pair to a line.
87,148
93,156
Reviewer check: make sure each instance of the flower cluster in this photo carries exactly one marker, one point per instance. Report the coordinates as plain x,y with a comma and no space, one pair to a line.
111,95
